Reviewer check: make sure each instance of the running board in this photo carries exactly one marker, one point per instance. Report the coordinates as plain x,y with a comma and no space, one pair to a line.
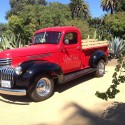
77,74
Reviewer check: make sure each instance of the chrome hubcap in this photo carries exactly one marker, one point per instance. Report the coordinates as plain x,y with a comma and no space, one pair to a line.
43,86
101,68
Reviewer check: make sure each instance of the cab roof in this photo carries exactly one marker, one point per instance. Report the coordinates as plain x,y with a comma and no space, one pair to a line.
58,28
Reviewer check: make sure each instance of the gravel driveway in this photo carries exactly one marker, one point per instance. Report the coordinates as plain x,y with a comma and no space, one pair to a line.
73,103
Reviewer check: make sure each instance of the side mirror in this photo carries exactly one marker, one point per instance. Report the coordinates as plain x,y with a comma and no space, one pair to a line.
66,41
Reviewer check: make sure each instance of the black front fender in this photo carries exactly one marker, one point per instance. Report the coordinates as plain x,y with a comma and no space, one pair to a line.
32,69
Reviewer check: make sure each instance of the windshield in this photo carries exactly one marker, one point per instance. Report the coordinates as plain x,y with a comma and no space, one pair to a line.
49,37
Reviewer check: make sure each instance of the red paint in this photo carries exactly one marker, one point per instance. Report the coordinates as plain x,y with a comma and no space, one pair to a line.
70,57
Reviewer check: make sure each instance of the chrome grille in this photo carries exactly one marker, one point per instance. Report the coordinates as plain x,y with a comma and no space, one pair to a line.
7,74
5,62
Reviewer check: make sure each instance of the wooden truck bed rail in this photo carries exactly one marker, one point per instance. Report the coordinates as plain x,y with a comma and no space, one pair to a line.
92,43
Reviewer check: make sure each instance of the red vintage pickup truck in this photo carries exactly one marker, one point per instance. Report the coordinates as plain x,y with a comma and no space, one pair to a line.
57,55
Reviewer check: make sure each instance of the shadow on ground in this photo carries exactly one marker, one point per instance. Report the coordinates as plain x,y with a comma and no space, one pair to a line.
113,115
81,116
18,100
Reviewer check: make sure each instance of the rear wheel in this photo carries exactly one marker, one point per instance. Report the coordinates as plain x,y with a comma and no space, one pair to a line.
100,69
43,88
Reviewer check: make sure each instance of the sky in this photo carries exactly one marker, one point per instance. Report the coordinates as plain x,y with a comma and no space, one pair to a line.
95,9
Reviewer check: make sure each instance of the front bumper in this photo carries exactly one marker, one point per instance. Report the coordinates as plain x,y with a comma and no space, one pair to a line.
16,92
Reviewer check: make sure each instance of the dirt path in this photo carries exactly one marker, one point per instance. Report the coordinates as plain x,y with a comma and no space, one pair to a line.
73,103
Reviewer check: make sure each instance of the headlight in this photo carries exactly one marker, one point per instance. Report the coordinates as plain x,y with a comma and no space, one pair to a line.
18,70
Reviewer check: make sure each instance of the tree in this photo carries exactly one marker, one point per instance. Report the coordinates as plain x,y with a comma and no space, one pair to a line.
3,28
83,26
102,31
120,6
59,13
116,24
79,9
19,5
34,17
40,2
109,5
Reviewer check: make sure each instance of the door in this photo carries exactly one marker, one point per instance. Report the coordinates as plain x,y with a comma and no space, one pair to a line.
70,55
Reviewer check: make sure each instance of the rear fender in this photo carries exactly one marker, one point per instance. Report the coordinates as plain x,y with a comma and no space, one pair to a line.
96,57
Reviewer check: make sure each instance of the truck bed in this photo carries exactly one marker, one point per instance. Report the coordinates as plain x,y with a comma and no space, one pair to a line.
93,43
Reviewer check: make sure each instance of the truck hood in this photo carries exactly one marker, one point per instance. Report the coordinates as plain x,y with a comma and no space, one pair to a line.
29,51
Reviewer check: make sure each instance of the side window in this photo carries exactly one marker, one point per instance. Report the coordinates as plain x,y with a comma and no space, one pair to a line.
70,38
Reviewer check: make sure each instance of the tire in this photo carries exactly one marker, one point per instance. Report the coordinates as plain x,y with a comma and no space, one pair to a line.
43,88
100,69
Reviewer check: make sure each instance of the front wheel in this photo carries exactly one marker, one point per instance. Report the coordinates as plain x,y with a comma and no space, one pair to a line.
100,69
43,88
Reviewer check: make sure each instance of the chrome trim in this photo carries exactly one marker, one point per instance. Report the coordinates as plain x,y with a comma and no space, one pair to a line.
16,92
5,62
43,87
7,74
